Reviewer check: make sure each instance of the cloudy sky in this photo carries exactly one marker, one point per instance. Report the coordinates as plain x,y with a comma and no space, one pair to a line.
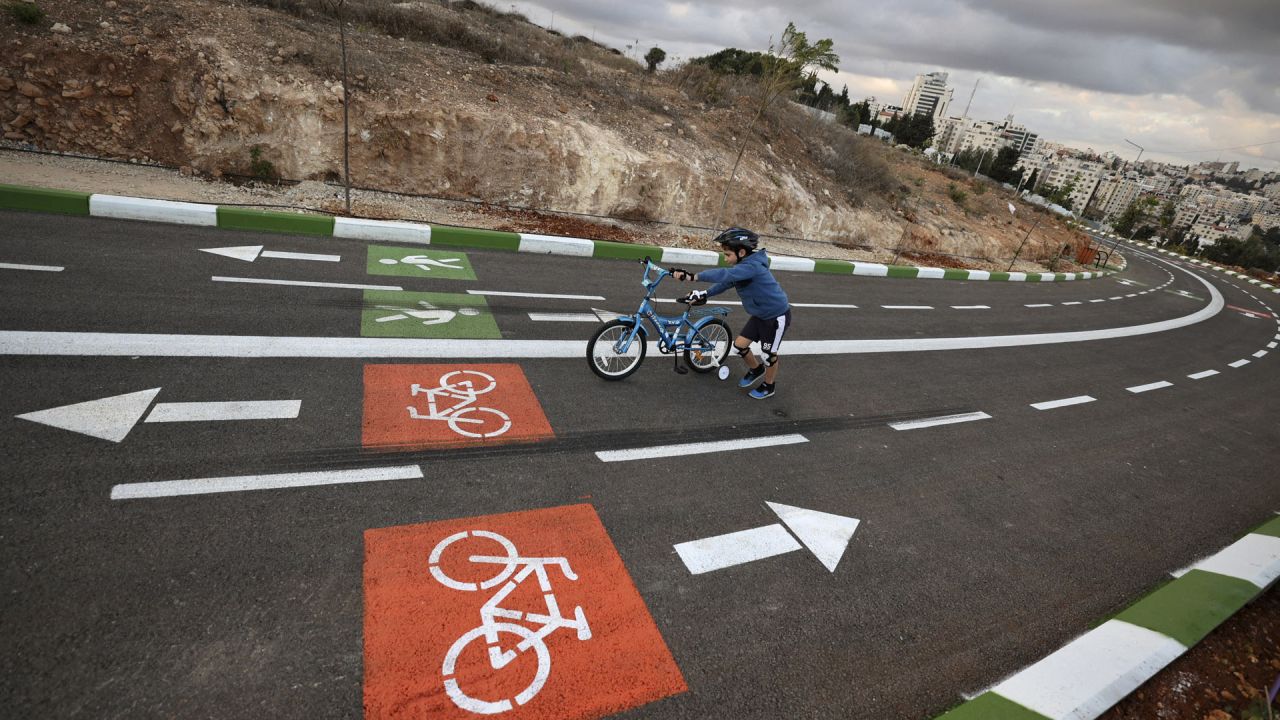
1189,80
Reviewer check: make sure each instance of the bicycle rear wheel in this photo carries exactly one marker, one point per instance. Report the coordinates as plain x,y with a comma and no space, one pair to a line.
716,335
603,355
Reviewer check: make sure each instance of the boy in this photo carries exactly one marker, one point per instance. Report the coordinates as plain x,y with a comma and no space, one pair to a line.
762,298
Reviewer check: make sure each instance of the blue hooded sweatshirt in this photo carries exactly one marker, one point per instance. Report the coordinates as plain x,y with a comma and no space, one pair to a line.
761,295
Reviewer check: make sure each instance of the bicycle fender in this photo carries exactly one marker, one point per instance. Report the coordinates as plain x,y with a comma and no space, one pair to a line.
631,320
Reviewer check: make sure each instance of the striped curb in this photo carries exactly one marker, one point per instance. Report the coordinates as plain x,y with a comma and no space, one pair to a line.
15,197
1085,677
1198,261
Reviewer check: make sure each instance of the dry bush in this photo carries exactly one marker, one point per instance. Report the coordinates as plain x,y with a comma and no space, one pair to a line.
854,162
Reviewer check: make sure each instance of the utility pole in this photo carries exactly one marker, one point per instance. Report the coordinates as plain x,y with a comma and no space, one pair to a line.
1140,150
971,94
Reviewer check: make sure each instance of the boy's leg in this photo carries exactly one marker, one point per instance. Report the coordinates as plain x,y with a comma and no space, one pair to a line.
743,346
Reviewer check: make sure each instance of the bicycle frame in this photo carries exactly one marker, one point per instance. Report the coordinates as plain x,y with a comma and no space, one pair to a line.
671,329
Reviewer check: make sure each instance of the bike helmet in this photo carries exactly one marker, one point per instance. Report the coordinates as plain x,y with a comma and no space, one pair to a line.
736,238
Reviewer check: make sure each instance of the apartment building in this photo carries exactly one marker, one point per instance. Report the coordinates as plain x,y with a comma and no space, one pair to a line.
929,94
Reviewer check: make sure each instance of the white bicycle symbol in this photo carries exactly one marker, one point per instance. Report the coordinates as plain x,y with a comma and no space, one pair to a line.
491,627
464,386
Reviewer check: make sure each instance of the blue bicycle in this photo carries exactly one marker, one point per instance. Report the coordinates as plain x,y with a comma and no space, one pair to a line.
619,346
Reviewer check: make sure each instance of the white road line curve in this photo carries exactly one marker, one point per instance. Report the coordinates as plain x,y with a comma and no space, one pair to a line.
22,342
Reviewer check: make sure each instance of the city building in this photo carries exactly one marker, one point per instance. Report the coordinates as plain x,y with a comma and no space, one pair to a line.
929,94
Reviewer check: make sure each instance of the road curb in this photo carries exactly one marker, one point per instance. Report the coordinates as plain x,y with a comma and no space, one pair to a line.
16,197
1197,261
1085,677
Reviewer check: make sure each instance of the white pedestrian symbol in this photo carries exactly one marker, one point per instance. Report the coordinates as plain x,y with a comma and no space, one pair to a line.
424,263
429,314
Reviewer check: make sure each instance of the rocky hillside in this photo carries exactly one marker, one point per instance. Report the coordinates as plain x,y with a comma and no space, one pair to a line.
464,102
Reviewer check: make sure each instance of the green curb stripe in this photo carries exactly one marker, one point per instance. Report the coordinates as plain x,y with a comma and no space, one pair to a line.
1271,527
902,271
471,237
999,276
990,706
236,218
955,274
1034,277
67,202
623,251
1190,607
833,267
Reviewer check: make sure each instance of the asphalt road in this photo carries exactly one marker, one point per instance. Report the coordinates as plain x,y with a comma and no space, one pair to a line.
981,547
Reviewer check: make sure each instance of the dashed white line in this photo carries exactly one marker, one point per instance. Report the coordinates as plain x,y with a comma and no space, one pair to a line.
970,307
1051,404
1131,295
38,268
1260,353
1098,300
1118,297
1073,302
1149,386
943,420
907,307
534,295
1239,363
1040,305
1271,345
262,482
698,448
1203,374
305,283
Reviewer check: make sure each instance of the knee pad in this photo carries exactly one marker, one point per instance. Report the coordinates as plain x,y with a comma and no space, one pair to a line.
771,359
743,351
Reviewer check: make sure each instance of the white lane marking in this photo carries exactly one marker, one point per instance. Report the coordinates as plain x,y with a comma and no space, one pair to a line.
564,317
1131,295
1271,345
304,283
234,410
1149,386
1040,305
534,295
37,268
735,548
907,307
1118,297
1203,374
22,342
1093,672
281,255
1253,558
943,420
970,307
698,448
1239,363
801,305
242,483
1260,353
1073,302
1051,404
1098,300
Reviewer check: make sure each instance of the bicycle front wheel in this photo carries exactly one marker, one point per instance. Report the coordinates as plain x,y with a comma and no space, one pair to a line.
709,346
604,357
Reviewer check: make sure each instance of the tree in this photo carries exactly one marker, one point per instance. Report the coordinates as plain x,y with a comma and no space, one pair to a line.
654,58
1002,167
915,130
785,66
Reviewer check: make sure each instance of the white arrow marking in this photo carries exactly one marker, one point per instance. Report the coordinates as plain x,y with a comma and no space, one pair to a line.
825,535
249,253
108,418
113,417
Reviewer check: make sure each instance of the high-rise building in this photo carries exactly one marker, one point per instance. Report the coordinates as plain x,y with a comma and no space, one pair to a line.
929,94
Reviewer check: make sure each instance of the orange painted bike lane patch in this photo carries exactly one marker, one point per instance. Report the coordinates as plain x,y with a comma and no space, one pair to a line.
449,405
525,615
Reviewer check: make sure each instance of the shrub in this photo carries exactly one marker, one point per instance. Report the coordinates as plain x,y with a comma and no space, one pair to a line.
259,167
956,194
26,13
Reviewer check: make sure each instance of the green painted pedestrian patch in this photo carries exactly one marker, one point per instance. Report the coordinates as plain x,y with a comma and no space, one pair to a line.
392,313
416,262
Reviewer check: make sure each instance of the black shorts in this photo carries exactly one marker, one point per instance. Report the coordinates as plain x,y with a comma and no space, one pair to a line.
768,332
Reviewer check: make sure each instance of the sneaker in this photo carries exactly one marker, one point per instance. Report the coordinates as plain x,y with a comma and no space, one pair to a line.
751,377
765,390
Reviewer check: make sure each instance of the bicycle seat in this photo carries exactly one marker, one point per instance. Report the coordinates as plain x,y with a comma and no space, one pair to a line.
708,310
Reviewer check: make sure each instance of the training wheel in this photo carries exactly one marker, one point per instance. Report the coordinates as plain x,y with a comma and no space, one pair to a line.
723,372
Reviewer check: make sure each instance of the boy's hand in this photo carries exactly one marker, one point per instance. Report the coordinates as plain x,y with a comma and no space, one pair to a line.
697,297
681,275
